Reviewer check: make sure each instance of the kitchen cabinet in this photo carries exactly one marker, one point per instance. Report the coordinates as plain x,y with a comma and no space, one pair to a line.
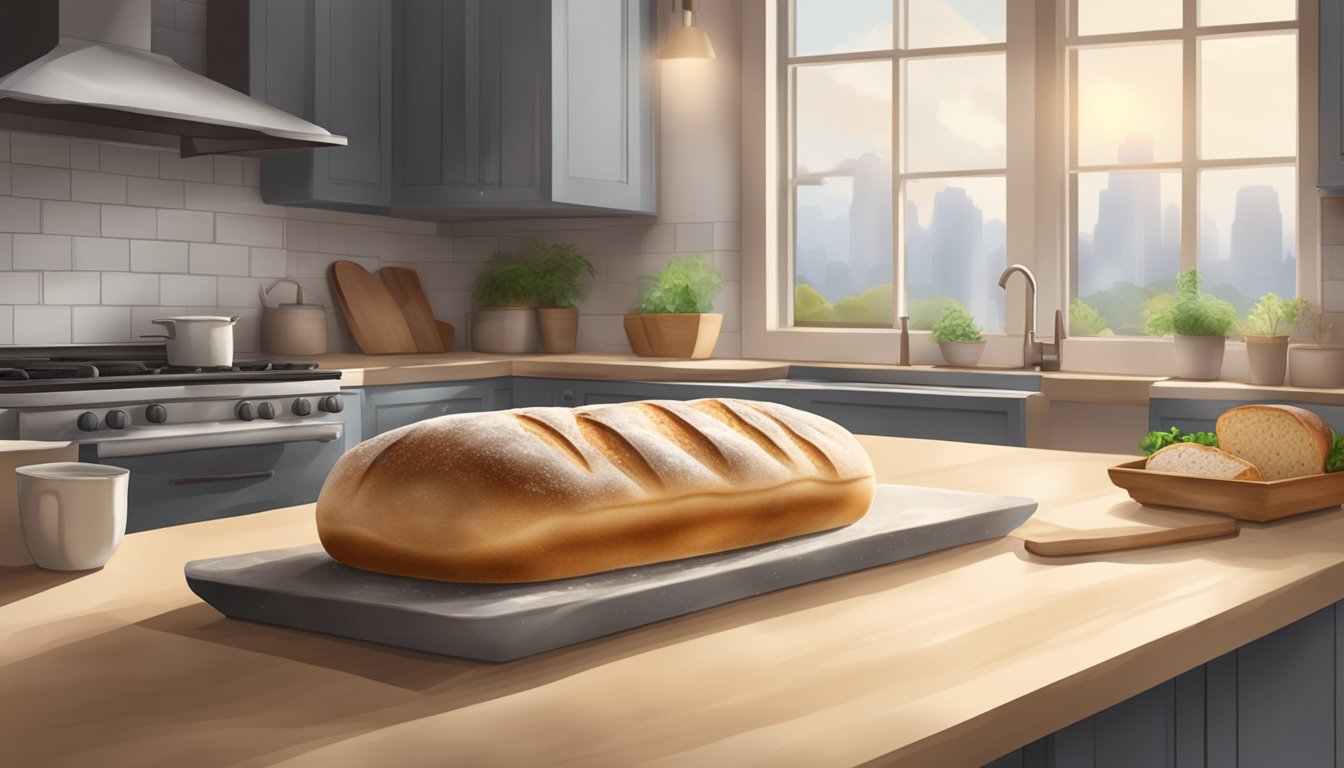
574,392
1330,172
523,106
386,408
1191,415
328,61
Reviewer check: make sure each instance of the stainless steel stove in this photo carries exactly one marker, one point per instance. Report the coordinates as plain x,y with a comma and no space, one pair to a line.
200,443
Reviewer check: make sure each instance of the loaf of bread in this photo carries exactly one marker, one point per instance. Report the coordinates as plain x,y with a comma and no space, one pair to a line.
535,494
1202,460
1282,441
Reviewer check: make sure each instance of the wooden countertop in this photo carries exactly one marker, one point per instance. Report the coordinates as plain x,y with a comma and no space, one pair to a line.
946,660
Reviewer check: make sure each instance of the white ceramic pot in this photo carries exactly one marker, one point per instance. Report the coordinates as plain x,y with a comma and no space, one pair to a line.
963,354
504,330
1200,357
73,514
200,341
1316,365
1268,359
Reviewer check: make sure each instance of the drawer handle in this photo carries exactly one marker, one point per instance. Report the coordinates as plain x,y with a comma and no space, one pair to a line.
195,479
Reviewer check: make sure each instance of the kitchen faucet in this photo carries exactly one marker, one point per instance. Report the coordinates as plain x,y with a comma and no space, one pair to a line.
1048,356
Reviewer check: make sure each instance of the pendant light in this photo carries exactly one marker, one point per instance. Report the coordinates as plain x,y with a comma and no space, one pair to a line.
687,41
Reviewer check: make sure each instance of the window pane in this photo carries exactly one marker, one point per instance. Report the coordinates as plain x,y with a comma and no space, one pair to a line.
843,114
1215,12
1104,17
954,113
955,247
1129,104
1247,237
825,26
1248,96
938,23
1128,247
842,256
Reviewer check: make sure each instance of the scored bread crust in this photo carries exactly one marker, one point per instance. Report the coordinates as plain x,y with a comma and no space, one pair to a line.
535,494
1283,441
1201,460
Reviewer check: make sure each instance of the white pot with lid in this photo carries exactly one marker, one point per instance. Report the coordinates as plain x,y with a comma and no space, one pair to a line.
198,341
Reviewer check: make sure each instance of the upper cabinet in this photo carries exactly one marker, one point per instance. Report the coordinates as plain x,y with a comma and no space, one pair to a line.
462,108
1331,161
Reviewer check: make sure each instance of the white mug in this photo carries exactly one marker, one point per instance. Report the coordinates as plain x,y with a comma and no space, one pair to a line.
73,514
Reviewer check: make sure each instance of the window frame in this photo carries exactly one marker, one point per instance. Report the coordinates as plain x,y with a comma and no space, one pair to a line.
1040,202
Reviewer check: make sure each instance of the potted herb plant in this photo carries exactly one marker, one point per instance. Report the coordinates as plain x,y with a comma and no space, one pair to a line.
1200,323
1266,331
1319,363
959,337
505,322
672,316
562,276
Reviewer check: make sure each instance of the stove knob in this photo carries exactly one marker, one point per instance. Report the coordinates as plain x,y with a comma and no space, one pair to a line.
302,407
87,421
116,419
246,411
266,411
156,414
331,404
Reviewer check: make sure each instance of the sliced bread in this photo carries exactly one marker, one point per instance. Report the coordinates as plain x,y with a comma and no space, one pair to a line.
1203,460
1282,441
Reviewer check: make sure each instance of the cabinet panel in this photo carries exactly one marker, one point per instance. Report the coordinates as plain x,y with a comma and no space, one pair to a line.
1286,696
387,408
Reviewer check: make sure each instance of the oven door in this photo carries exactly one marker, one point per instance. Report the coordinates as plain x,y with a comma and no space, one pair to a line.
220,473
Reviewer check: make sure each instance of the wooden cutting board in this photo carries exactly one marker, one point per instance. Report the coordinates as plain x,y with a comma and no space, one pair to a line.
404,285
1087,529
374,318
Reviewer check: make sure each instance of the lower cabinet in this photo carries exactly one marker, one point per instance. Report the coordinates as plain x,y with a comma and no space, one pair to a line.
1274,703
1201,415
386,408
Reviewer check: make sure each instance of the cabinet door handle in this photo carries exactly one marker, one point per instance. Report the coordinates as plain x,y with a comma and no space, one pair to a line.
196,479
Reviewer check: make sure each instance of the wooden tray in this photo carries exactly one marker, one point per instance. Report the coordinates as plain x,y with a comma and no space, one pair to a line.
1256,500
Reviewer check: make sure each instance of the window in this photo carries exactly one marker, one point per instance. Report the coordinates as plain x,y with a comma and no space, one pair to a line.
1183,154
897,159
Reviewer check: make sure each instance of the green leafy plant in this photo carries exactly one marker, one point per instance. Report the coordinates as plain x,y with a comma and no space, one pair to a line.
925,312
956,324
1189,312
1085,320
1156,441
1273,316
685,285
507,281
561,274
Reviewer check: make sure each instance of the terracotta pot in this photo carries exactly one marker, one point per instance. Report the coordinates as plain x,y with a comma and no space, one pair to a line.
1316,365
690,335
1268,356
1199,357
504,330
964,354
559,327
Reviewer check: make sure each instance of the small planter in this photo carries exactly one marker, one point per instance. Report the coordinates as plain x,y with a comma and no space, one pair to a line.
963,354
504,330
691,335
1268,358
1316,365
1200,357
559,328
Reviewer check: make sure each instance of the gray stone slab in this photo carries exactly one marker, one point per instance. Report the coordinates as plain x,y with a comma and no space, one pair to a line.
303,588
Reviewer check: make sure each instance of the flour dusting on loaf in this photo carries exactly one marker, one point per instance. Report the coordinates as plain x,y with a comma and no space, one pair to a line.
544,493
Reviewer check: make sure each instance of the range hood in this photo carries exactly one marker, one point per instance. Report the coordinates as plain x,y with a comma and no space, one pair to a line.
101,80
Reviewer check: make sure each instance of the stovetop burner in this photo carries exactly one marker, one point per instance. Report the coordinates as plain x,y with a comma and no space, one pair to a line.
33,369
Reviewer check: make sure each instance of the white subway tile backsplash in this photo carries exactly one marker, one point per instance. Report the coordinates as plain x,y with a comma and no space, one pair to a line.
228,169
352,240
42,252
101,254
70,287
695,238
40,182
186,225
35,149
6,325
162,13
251,172
130,288
201,168
155,256
729,263
129,221
62,218
479,248
6,174
1332,296
94,187
222,198
84,155
190,290
157,193
93,325
438,276
659,238
269,262
213,259
300,235
20,215
21,288
190,17
1332,262
41,325
6,252
727,236
239,292
130,161
4,146
262,231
